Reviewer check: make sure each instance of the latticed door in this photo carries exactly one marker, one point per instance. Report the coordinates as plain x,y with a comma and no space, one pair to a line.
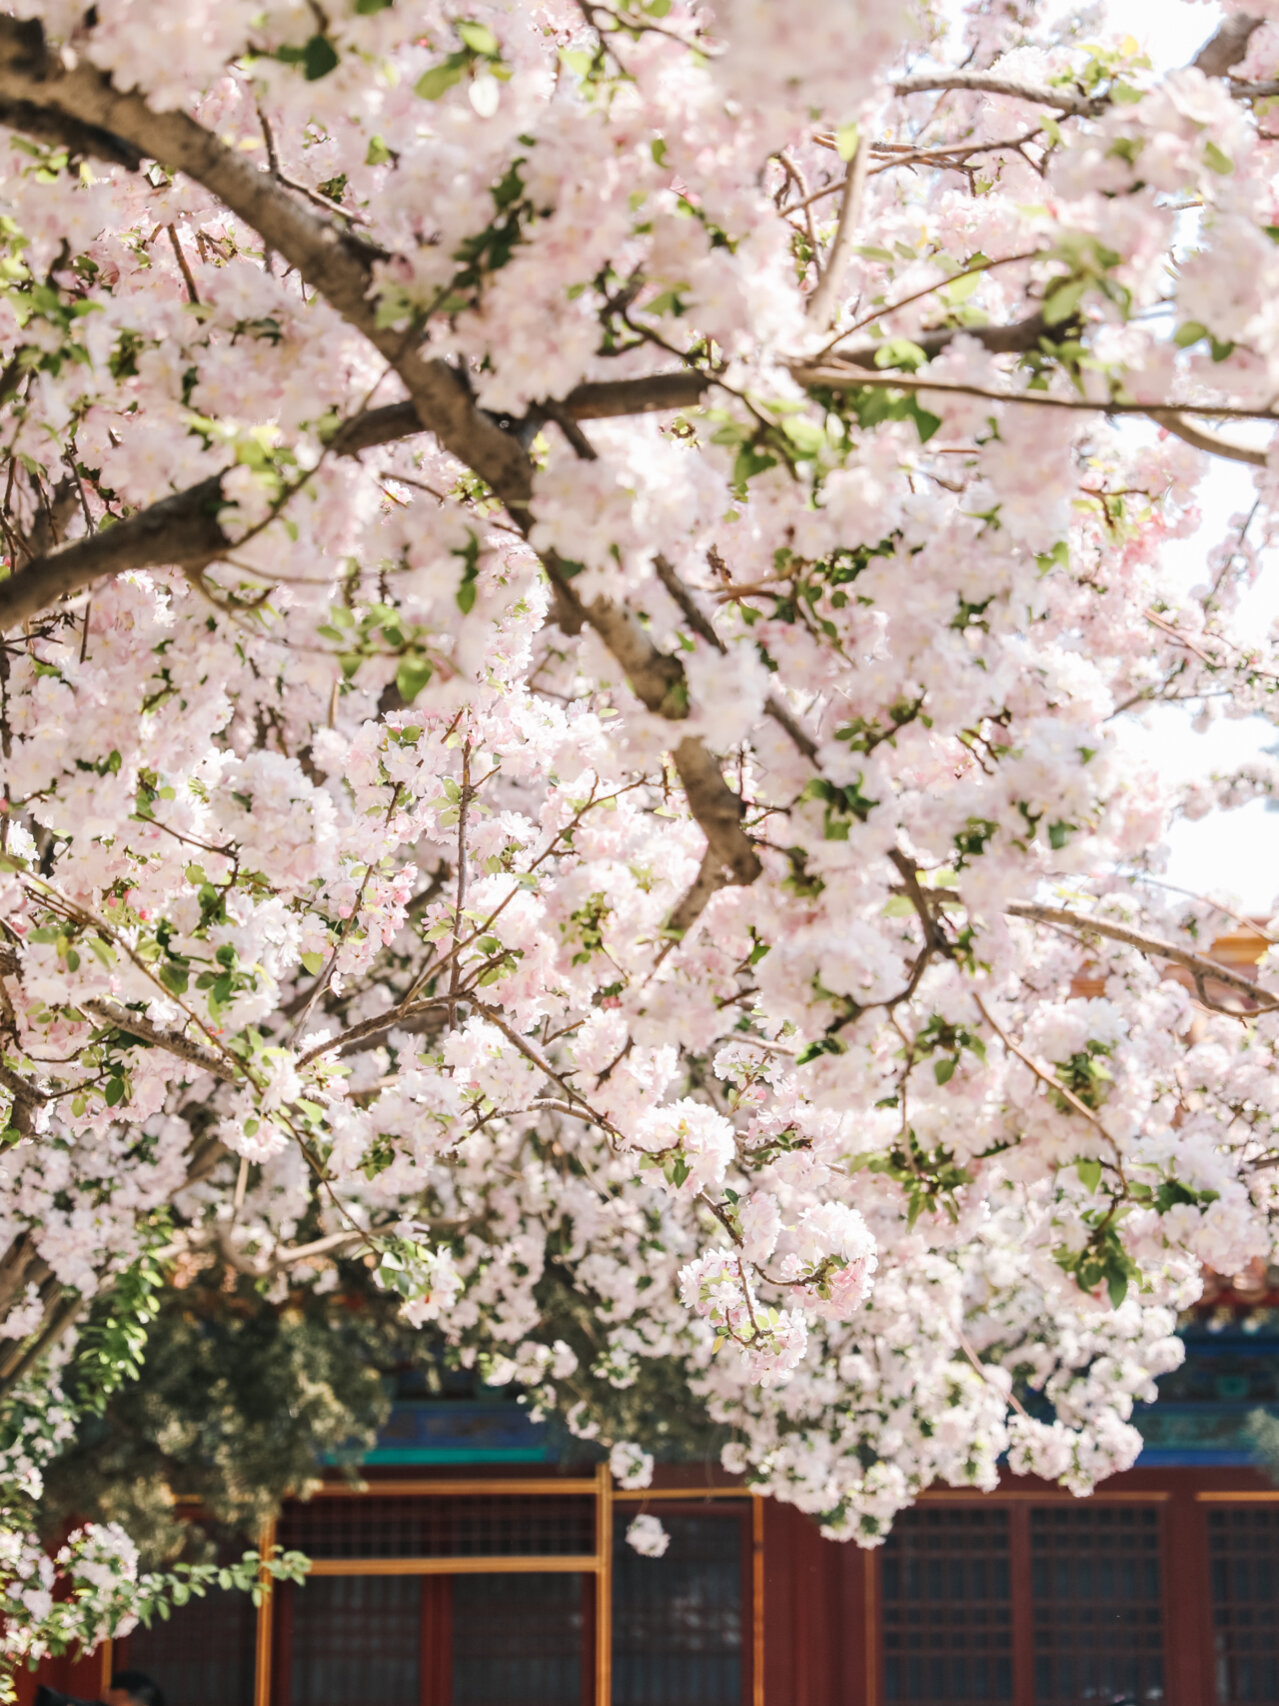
1034,1605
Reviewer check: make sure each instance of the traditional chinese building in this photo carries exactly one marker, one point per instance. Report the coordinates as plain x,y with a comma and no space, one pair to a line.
479,1567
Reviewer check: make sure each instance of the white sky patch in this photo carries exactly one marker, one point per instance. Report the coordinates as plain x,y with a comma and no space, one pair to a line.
1171,31
1227,853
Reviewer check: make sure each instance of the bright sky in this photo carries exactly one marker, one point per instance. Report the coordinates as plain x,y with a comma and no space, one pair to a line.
1171,31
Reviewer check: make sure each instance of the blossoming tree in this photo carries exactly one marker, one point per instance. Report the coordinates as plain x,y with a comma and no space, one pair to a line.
579,583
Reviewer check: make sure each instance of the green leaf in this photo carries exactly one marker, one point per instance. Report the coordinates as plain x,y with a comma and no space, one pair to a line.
750,462
113,1095
806,435
901,352
379,154
317,57
479,38
926,423
944,1070
432,84
1116,1288
846,141
1216,160
311,964
1061,302
1090,1173
413,673
365,8
962,288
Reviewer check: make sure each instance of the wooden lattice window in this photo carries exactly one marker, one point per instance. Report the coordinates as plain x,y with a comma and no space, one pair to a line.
947,1607
203,1655
469,1640
471,1525
472,1592
1098,1604
355,1639
678,1620
1244,1557
519,1641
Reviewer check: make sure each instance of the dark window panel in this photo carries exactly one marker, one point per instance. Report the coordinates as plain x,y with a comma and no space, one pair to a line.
678,1620
1098,1606
479,1525
947,1614
204,1654
1244,1551
356,1640
517,1640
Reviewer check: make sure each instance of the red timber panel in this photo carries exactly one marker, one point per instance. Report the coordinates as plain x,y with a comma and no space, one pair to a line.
435,1662
1187,1600
815,1631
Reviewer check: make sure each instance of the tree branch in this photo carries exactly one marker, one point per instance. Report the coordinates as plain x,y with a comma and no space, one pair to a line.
989,83
1199,965
136,1025
1227,45
1189,433
837,378
823,304
333,263
325,254
182,530
1012,339
87,140
681,388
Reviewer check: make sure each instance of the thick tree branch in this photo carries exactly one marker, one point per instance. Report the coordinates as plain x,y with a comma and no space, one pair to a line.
86,140
1199,965
1228,45
990,83
658,682
137,1025
682,388
701,626
326,256
183,531
1189,433
1255,91
329,260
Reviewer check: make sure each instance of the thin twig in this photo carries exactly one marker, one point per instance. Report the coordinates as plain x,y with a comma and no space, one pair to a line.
823,305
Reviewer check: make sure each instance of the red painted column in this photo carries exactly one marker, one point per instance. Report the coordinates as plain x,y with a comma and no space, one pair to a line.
814,1653
1187,1593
